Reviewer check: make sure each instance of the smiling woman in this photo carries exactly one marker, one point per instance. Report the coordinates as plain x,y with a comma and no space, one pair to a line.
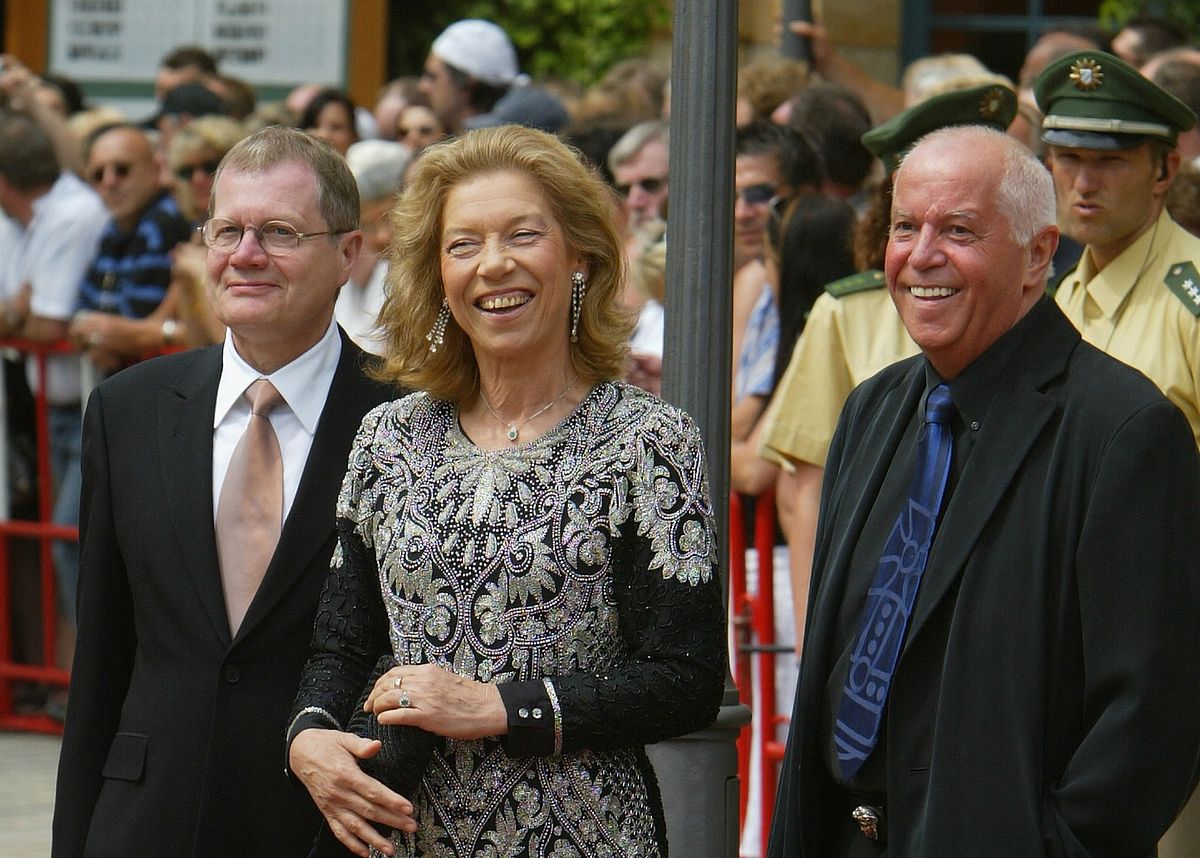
572,211
530,539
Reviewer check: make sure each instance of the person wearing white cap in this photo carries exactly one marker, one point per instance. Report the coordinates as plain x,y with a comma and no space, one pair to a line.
470,66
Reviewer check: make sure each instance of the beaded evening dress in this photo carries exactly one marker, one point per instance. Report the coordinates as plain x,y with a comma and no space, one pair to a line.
578,569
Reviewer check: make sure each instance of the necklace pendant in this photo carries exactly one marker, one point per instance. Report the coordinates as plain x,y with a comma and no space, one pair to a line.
512,432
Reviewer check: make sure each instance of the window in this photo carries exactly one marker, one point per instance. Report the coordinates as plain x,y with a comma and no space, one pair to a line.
997,32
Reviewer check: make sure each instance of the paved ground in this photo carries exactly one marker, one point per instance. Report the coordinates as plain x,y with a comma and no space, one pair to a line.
28,763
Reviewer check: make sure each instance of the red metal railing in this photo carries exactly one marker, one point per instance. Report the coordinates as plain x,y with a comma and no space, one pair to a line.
44,532
752,619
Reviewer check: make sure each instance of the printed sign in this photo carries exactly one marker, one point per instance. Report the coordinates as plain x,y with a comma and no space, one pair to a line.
266,42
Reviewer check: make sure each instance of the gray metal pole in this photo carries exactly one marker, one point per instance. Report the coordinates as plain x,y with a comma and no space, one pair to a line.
791,45
698,773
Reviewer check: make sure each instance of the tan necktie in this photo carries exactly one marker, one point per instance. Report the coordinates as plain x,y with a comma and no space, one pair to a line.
250,508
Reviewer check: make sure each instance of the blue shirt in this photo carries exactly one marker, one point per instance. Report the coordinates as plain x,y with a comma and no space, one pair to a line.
132,270
756,364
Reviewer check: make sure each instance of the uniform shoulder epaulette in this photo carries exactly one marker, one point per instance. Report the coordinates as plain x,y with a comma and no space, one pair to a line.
860,282
1183,279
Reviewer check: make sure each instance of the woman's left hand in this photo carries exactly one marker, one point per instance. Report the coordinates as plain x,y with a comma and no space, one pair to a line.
430,697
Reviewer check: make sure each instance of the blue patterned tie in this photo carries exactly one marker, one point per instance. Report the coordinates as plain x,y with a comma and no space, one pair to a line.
894,590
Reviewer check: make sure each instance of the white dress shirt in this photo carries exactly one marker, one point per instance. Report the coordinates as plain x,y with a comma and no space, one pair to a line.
304,385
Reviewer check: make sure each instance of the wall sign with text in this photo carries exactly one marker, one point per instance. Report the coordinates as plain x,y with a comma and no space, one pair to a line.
280,42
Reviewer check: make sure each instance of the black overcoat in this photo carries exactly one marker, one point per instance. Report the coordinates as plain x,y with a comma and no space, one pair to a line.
1047,700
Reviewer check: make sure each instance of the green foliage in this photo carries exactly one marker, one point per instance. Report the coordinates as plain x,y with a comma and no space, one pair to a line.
1114,13
574,40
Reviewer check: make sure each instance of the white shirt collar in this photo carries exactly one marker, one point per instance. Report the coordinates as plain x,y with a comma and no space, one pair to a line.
303,383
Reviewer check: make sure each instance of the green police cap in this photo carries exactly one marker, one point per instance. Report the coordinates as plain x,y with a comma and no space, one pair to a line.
992,104
1094,100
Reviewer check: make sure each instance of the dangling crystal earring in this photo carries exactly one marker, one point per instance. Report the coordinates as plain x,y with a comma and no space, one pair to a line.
578,287
437,334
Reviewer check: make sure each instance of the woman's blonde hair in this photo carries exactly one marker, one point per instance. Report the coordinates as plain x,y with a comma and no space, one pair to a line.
579,204
210,136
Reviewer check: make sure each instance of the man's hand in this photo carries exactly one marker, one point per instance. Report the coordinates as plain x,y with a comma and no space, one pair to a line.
823,51
17,83
326,762
99,336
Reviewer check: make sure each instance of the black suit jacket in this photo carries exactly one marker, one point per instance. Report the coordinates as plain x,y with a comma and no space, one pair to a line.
1046,700
174,730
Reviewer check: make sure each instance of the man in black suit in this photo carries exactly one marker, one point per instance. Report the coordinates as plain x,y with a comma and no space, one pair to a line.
185,665
1006,665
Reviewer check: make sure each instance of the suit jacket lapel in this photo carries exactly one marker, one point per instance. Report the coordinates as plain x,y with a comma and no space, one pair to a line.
185,415
310,522
1016,417
849,506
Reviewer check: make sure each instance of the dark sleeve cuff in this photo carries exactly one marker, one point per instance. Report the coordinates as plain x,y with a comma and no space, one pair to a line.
310,716
534,718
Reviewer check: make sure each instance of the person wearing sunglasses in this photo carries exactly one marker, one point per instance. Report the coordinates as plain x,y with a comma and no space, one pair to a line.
638,162
128,279
192,160
771,162
418,127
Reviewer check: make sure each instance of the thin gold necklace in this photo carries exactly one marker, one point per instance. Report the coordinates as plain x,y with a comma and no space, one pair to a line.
514,429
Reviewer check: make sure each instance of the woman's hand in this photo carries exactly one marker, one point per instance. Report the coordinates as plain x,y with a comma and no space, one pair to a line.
326,762
439,701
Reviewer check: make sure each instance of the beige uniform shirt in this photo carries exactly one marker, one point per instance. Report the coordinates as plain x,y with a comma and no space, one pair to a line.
845,341
1144,310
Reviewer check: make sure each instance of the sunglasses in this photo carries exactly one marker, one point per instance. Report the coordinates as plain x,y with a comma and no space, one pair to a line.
419,129
757,195
209,168
650,186
120,168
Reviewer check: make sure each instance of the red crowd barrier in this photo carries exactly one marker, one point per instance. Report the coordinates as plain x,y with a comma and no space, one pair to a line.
44,532
752,619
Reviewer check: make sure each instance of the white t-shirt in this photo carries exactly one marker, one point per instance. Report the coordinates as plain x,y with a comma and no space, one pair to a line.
52,255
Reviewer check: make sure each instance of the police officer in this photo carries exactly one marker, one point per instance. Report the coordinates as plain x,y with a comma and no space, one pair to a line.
1111,145
1111,136
852,332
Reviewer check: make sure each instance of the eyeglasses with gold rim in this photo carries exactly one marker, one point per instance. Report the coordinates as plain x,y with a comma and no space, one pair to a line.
276,237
